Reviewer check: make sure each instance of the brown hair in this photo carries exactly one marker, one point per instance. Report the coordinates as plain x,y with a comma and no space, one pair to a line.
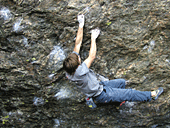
71,63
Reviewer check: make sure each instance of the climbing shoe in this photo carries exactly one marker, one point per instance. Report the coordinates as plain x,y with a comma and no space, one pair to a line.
157,93
90,103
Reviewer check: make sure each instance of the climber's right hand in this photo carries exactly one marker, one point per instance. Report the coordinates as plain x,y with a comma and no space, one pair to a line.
81,20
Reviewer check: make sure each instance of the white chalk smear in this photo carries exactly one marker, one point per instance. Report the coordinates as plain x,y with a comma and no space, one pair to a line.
5,13
17,24
62,94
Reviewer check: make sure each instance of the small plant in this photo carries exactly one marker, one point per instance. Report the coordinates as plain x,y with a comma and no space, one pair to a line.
108,23
4,119
33,59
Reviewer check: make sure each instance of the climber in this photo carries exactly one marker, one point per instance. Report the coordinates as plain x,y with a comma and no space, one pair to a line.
86,80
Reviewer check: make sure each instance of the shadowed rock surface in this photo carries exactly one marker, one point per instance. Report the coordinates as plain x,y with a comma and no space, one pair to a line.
36,36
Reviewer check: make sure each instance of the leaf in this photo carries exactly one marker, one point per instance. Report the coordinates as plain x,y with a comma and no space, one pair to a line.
108,23
74,109
33,59
3,122
7,116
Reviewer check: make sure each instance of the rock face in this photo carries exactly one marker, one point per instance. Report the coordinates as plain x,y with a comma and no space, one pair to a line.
36,36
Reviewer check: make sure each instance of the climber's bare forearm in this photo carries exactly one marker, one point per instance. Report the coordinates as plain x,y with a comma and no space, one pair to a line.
79,39
92,53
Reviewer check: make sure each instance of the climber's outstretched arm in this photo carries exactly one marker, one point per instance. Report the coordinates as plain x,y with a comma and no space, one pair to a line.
92,53
79,37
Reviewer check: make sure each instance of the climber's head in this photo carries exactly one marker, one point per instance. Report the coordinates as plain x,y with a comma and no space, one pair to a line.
71,63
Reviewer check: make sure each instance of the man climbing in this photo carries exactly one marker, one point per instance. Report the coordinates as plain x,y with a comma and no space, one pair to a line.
86,80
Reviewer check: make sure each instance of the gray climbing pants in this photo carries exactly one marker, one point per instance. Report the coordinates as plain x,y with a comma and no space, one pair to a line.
114,91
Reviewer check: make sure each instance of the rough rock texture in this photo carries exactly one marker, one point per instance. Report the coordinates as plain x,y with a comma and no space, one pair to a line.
35,37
